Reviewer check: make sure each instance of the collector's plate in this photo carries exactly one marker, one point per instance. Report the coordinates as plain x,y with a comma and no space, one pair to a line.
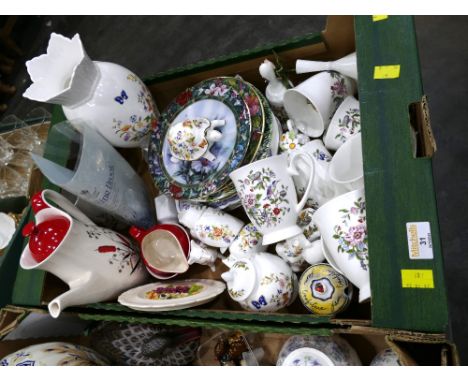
171,295
212,99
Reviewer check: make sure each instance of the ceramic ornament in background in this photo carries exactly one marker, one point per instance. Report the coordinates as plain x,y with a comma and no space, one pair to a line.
211,226
298,252
261,282
346,122
249,240
292,139
312,103
324,291
346,66
102,177
97,263
275,89
386,357
54,354
107,96
191,139
342,224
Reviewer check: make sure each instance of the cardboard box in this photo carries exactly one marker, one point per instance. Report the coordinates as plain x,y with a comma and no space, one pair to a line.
399,188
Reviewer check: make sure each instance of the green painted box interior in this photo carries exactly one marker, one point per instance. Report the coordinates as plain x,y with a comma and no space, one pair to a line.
399,187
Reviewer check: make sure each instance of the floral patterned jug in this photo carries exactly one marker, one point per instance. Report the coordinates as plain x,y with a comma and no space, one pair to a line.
109,97
97,263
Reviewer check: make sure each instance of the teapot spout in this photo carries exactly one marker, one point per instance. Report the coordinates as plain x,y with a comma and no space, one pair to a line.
77,295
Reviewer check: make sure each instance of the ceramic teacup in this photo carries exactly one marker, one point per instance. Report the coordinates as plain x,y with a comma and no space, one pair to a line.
268,195
342,224
165,249
346,167
311,104
346,122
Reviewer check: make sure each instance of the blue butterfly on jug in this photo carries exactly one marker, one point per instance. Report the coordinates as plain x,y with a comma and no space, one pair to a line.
261,301
122,97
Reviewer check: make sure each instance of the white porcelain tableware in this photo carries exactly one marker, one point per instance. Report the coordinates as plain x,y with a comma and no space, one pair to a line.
346,65
166,209
275,89
191,139
211,226
346,169
202,254
321,189
7,229
346,122
342,224
298,252
172,295
292,139
309,229
248,240
54,354
307,357
268,195
261,282
312,103
386,357
109,97
337,349
97,263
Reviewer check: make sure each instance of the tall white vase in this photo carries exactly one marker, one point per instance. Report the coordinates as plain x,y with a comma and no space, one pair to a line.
107,96
346,66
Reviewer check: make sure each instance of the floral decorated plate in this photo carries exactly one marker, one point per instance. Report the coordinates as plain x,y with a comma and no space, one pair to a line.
171,295
214,99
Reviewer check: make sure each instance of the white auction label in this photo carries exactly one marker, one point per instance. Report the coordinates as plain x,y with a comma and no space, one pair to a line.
419,241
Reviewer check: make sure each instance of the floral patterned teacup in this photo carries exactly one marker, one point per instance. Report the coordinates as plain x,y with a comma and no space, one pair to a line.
312,103
342,224
345,123
268,195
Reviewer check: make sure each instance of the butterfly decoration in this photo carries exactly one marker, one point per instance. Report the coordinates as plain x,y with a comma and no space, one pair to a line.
261,301
122,97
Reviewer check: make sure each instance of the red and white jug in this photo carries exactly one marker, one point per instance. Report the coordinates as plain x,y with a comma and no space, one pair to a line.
97,263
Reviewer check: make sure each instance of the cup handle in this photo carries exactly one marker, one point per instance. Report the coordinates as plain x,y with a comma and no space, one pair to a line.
293,170
66,205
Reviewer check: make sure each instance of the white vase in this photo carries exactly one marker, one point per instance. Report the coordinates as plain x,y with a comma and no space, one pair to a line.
107,96
346,65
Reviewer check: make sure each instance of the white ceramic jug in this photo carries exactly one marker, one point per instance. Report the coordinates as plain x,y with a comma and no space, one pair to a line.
108,96
97,263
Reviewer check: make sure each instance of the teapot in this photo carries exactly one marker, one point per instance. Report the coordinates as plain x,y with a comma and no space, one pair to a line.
97,263
261,282
191,139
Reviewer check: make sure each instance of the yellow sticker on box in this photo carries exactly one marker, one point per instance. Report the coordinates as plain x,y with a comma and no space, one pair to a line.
417,278
386,72
379,18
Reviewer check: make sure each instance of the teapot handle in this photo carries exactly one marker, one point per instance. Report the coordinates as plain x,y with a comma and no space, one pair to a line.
293,170
39,202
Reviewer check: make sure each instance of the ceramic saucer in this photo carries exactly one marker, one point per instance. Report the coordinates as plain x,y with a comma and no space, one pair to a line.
171,295
307,357
7,229
211,99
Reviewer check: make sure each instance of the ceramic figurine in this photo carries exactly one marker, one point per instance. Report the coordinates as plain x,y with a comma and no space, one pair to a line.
324,291
165,249
386,357
107,96
335,348
202,254
342,224
346,122
130,344
191,139
211,226
312,103
97,263
266,190
298,251
275,89
261,282
292,139
346,66
54,354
